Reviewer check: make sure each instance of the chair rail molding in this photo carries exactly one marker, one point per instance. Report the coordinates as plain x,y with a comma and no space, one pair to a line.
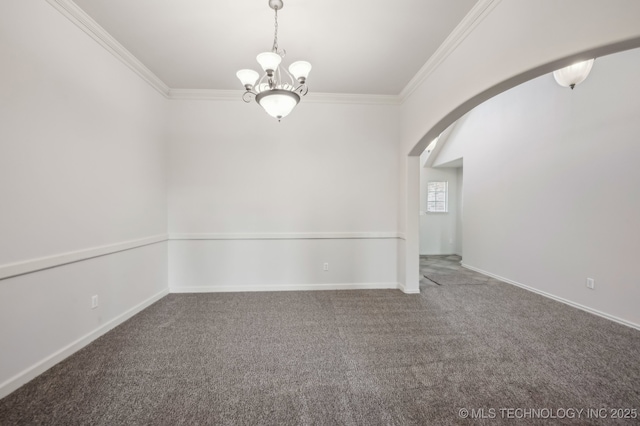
286,236
33,265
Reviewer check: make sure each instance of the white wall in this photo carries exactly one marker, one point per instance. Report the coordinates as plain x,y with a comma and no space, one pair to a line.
551,193
460,211
321,186
438,233
82,158
445,153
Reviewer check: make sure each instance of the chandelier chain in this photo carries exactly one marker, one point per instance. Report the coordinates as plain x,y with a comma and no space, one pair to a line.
275,36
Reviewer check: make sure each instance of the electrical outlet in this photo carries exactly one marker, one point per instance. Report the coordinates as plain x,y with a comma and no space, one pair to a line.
325,267
591,283
94,302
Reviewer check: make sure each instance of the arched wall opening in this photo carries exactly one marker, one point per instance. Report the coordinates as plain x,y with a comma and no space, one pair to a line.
552,197
514,81
498,53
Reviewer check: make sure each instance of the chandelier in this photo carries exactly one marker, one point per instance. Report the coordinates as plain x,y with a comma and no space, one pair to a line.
278,91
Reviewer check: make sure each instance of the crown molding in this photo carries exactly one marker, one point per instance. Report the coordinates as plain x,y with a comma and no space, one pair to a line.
83,21
477,13
205,94
352,98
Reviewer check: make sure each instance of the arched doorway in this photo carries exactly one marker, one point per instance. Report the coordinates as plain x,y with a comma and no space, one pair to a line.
497,53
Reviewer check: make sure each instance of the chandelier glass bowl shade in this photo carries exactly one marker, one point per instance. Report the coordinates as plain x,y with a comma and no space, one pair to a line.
573,74
278,91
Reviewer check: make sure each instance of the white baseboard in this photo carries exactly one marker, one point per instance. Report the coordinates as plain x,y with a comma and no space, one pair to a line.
556,298
35,370
283,287
404,289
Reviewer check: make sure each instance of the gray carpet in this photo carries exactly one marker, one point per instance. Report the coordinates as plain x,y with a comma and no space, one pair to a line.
341,357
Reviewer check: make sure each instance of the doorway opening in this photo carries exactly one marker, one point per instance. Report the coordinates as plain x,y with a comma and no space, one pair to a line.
441,216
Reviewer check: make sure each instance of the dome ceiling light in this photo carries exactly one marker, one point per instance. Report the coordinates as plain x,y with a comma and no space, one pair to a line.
573,74
278,91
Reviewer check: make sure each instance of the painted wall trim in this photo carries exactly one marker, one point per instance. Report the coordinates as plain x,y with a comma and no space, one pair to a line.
87,24
404,289
477,13
33,265
83,21
283,287
32,372
352,98
332,98
28,266
286,236
556,298
205,94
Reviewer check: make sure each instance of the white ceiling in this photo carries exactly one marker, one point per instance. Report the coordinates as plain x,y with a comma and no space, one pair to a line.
355,46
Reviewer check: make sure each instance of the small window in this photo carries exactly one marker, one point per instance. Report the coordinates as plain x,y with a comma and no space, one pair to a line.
437,197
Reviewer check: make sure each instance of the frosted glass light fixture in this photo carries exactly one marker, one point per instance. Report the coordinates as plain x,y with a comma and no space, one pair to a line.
278,91
573,74
300,70
269,61
248,77
278,103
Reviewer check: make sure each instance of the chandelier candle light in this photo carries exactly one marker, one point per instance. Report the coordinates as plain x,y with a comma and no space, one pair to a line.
278,91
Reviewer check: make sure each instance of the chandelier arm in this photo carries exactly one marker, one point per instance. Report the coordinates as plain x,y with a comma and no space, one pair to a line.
278,79
293,80
259,84
248,96
303,89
